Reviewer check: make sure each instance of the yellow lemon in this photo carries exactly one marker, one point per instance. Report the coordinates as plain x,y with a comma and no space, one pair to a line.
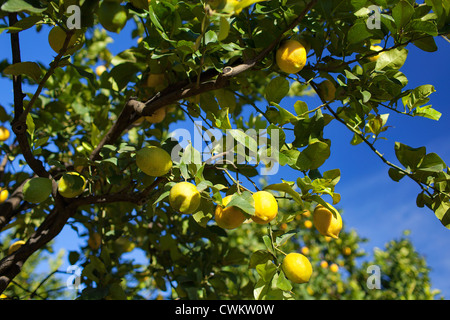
334,267
327,223
308,224
375,57
153,161
71,184
266,207
324,264
291,56
228,218
57,36
158,116
327,90
305,250
3,195
100,69
347,251
15,246
4,133
184,197
37,190
297,267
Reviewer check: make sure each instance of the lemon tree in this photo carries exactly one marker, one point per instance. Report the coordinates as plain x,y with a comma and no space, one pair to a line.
223,70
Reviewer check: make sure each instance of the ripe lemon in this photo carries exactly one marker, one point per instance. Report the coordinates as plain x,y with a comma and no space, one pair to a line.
327,90
3,195
334,267
228,218
291,56
100,69
4,133
112,16
308,224
297,267
57,36
326,223
37,190
71,184
305,250
347,251
15,246
324,264
266,207
375,57
184,197
153,161
158,116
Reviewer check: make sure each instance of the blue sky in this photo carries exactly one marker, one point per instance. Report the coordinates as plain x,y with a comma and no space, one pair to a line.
375,206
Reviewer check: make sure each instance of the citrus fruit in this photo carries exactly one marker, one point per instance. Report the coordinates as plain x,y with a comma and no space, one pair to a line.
308,224
153,161
230,217
305,250
3,195
184,197
157,116
266,207
327,90
100,69
326,222
94,241
375,57
15,246
347,251
112,16
57,36
291,56
155,80
324,264
71,184
37,190
4,133
297,267
334,267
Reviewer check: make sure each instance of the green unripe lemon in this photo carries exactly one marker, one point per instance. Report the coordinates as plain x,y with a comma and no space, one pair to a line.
153,161
57,36
112,16
37,190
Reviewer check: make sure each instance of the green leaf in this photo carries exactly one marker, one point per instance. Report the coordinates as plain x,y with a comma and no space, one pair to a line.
409,157
267,270
25,23
313,156
259,257
204,213
301,108
34,6
392,59
426,44
28,68
358,32
427,112
395,174
285,187
277,89
244,202
224,29
280,240
402,13
283,283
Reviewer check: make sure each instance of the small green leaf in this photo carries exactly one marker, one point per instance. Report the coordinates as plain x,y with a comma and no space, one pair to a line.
224,29
28,68
313,156
277,89
34,6
402,13
409,157
259,257
427,112
285,187
244,202
283,283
